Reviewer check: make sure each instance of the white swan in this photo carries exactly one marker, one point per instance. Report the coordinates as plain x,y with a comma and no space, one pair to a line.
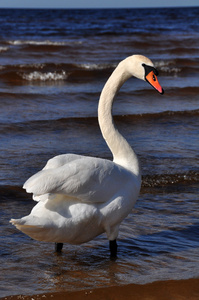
81,197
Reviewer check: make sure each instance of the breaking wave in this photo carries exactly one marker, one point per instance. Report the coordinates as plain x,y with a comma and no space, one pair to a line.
42,43
49,76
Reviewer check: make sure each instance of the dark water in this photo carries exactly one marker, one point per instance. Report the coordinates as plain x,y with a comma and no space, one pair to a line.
53,65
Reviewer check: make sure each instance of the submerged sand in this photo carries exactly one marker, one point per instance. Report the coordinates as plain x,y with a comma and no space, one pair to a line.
163,290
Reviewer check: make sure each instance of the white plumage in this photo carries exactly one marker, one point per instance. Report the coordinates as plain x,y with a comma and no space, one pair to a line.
81,197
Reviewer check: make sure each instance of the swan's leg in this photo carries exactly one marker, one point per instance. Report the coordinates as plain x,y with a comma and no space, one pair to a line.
58,247
113,248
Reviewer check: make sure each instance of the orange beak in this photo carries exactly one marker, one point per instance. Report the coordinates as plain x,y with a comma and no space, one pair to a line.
152,80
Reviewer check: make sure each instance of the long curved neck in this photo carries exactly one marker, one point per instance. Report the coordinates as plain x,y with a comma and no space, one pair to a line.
122,152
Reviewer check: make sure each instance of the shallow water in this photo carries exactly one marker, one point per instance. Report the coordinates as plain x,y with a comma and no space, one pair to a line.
52,69
157,242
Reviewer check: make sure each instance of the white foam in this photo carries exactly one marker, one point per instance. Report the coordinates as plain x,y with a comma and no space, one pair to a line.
163,63
165,66
91,66
3,49
49,76
170,70
45,42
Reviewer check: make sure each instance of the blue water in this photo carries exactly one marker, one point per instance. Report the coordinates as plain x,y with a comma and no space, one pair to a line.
53,65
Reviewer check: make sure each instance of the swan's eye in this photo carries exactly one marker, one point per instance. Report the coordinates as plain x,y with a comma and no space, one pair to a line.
154,78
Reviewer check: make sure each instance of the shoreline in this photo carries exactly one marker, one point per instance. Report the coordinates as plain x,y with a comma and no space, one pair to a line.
161,290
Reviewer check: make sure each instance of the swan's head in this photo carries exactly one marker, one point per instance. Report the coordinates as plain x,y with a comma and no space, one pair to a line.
143,68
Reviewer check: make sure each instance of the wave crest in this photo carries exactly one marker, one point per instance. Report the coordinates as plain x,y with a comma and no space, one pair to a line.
42,43
48,76
3,49
166,67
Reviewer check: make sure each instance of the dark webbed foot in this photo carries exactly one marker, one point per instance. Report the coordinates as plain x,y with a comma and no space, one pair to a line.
58,247
113,248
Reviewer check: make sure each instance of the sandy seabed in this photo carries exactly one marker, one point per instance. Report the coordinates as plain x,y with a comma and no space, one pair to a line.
163,290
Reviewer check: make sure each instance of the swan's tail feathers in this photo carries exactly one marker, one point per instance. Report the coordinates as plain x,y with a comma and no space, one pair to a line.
34,231
19,223
16,222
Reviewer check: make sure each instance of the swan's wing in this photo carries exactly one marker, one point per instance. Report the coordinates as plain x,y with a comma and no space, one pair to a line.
53,163
61,160
86,179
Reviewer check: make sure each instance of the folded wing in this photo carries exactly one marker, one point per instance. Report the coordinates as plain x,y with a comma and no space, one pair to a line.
87,179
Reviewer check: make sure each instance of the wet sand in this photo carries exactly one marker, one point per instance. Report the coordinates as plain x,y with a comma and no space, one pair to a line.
163,290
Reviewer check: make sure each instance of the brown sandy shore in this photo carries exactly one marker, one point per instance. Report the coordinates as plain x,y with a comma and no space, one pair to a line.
163,290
